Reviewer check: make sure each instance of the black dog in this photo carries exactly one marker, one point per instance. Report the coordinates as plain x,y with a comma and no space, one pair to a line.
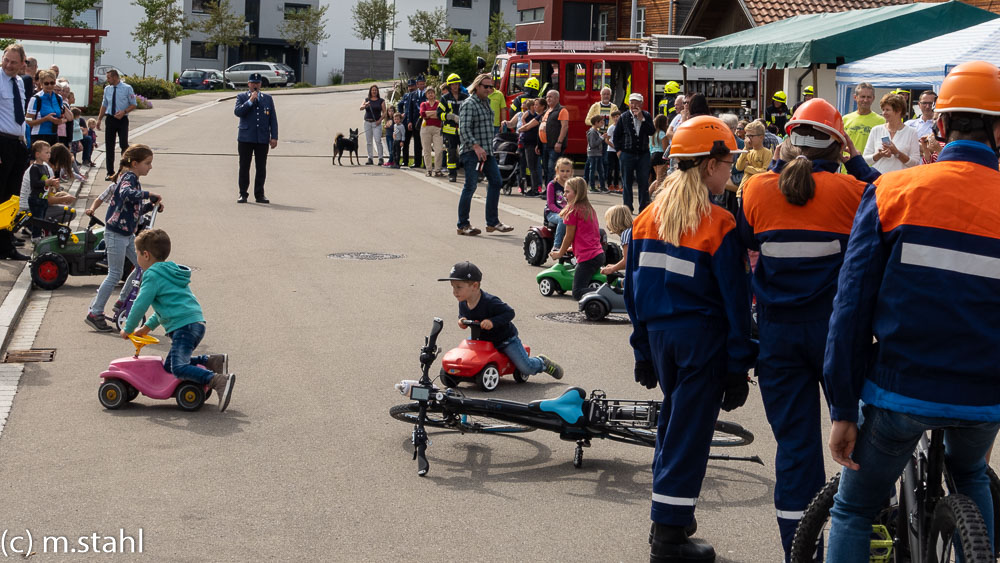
349,144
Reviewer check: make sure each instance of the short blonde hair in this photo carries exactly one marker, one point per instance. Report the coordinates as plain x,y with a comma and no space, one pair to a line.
618,218
754,128
43,74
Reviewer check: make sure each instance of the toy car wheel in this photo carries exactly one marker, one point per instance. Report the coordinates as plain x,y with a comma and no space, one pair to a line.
488,378
534,249
447,380
190,396
131,392
546,286
49,271
112,394
594,310
520,377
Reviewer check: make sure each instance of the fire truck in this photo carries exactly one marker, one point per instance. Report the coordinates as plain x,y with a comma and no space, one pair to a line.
580,69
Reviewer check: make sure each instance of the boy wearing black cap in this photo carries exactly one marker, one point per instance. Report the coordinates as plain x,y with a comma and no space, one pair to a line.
494,318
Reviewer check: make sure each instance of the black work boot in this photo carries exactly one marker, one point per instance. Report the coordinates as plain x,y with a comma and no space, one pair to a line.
690,529
671,545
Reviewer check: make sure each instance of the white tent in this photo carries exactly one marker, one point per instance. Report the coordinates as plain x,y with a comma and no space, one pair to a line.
921,65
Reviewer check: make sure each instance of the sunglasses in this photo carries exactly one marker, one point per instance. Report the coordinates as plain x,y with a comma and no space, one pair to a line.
47,83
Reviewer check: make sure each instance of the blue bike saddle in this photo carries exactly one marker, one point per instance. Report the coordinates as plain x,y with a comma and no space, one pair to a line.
569,405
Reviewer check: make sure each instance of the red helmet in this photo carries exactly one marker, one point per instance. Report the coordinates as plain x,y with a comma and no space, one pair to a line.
972,87
703,135
822,115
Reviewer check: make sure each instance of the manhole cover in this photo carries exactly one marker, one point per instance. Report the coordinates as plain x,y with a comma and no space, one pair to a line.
364,256
372,174
579,318
34,355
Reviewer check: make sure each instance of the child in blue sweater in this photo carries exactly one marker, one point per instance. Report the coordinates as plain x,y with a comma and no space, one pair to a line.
166,286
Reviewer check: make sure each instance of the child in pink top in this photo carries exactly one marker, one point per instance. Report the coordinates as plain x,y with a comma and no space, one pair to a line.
583,233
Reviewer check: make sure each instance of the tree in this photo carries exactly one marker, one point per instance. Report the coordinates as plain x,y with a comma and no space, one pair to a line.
462,58
222,28
373,18
500,33
426,26
68,10
166,23
304,28
145,38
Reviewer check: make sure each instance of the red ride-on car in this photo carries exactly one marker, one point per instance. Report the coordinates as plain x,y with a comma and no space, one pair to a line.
479,359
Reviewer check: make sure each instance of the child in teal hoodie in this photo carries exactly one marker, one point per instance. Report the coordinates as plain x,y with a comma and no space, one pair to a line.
166,286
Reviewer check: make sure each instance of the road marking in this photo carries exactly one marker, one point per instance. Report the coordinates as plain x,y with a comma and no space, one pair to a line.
26,331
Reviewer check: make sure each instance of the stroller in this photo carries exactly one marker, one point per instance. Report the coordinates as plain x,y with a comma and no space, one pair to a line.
508,160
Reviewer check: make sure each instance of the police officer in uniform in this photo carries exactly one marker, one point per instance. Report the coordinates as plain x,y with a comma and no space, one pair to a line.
667,104
448,112
258,132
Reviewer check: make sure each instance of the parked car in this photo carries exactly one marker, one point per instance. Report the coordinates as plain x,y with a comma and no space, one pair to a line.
272,74
201,79
291,74
101,73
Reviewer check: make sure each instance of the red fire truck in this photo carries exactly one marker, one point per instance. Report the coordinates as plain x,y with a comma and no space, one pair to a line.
580,69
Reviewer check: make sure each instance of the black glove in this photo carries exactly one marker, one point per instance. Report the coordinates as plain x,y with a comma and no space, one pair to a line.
737,387
645,375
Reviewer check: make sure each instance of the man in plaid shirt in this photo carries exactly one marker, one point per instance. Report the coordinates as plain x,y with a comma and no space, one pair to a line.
475,129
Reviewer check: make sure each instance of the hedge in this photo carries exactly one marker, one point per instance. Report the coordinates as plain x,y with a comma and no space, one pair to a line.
152,88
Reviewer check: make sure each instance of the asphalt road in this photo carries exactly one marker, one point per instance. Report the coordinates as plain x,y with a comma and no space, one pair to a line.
306,464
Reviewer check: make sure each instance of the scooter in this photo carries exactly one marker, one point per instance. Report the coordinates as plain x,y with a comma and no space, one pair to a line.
478,359
609,298
120,314
127,377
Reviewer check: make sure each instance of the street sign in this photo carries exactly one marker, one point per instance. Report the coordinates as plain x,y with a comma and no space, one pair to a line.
444,45
442,60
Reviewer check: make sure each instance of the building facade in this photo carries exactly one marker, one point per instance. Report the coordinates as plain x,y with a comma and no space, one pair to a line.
472,17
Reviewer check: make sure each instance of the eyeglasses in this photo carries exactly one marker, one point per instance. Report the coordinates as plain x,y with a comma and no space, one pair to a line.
47,83
729,162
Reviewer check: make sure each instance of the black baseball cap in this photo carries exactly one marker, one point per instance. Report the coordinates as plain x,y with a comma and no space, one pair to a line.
464,271
254,77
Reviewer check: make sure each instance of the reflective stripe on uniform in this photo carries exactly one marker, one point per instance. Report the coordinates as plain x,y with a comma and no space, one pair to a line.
800,249
668,263
951,260
676,501
791,514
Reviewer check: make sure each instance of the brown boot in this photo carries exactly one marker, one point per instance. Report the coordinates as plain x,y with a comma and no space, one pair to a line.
223,386
218,363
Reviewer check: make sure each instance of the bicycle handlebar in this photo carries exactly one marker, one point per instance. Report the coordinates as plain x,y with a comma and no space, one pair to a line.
467,322
435,331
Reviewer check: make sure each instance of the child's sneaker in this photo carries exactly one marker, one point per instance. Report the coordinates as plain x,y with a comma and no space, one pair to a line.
115,310
223,386
98,323
551,368
218,363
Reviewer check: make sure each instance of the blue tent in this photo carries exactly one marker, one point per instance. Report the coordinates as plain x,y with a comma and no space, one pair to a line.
921,65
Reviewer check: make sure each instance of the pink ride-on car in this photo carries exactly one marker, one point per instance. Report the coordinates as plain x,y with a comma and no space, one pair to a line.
127,377
479,359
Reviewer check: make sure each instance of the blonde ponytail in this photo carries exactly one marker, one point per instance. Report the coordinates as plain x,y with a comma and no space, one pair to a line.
681,204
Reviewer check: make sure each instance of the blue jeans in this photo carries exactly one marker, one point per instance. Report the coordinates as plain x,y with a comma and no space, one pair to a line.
635,168
513,349
551,156
885,443
552,217
470,163
119,247
88,148
179,360
595,165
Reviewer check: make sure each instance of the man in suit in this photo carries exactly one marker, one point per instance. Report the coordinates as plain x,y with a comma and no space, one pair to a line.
258,132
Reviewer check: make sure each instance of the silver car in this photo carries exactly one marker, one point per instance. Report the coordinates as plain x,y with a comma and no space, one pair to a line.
272,74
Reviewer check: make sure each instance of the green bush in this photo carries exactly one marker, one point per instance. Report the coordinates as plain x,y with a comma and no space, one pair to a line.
336,77
152,88
302,85
95,102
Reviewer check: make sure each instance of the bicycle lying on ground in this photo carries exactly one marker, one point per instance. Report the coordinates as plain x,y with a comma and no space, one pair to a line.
573,415
923,524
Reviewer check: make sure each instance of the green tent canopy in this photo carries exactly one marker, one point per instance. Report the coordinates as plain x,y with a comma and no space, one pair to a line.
835,39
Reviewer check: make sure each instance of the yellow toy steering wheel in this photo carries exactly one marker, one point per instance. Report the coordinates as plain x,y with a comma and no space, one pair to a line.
141,341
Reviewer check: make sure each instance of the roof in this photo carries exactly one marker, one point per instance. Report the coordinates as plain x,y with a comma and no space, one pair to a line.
769,11
833,38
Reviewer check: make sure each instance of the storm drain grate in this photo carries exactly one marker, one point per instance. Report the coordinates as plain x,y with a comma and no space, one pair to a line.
372,174
579,318
33,355
364,256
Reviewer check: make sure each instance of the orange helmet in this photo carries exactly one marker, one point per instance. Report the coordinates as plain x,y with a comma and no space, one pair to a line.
972,87
703,135
820,114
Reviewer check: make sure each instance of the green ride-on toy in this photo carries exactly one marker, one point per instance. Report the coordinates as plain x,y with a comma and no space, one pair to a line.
559,279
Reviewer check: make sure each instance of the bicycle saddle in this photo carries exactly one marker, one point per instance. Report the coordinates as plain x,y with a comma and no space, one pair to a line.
569,405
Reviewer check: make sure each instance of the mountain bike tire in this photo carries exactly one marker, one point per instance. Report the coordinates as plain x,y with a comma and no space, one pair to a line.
473,424
730,435
812,527
956,518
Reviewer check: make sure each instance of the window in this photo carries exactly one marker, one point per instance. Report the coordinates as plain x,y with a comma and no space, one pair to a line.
532,15
518,76
199,50
602,26
602,76
39,14
198,6
640,24
576,77
461,3
467,33
295,9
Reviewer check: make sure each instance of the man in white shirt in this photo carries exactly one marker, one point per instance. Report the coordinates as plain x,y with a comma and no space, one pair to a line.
13,152
925,123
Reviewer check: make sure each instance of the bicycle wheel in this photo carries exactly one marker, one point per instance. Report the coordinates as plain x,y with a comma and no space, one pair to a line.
811,533
472,424
957,520
995,494
730,434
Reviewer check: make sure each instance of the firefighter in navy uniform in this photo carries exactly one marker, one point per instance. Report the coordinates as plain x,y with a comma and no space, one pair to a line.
800,221
688,297
808,93
528,91
667,104
777,113
448,112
